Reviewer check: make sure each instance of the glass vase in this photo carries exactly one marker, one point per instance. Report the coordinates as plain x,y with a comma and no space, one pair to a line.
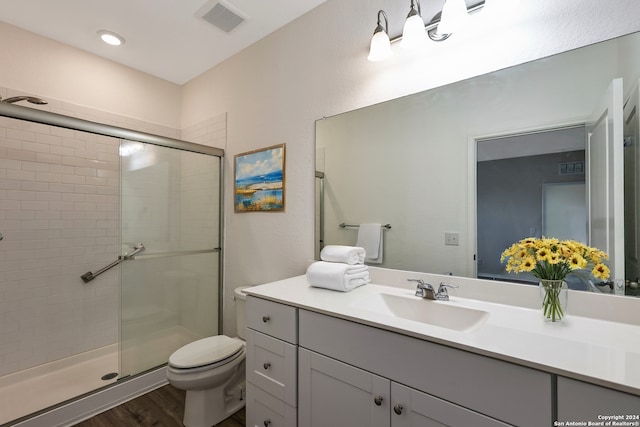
553,294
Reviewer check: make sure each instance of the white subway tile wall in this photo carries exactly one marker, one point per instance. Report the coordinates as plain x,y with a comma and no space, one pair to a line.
60,217
59,214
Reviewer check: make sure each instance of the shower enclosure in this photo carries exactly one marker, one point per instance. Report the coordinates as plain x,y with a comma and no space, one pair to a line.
110,250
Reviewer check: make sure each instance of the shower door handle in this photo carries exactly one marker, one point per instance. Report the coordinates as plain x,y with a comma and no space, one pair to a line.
89,276
136,249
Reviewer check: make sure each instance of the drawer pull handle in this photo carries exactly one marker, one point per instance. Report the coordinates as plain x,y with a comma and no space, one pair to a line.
265,319
267,423
398,409
378,400
266,365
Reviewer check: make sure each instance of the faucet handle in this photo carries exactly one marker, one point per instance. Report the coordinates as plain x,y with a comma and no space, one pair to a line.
420,288
443,294
443,286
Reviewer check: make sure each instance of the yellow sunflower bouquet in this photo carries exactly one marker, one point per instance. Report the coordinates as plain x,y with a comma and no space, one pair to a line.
552,260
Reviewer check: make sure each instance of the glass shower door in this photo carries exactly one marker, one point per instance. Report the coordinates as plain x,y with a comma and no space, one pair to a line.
169,290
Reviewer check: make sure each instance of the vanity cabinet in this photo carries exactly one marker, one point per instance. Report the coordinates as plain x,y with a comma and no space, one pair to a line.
311,369
358,398
272,336
455,382
580,401
316,358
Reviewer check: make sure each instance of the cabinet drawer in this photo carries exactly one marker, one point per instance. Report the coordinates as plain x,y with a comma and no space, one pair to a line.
272,318
264,410
271,365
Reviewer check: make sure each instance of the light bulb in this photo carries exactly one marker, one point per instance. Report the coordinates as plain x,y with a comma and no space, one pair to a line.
111,38
413,33
454,17
380,49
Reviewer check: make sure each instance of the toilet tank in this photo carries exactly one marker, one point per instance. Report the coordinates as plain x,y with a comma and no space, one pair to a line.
239,299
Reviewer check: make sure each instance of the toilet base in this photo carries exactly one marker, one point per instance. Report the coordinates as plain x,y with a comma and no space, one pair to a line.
205,408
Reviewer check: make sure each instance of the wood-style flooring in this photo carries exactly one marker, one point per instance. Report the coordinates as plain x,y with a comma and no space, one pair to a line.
160,408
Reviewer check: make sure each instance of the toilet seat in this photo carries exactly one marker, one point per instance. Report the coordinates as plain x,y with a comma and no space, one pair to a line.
208,351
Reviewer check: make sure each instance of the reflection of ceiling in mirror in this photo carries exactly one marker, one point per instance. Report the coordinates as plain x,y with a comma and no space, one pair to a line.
532,144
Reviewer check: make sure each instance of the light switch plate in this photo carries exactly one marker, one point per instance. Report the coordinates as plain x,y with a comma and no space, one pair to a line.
451,239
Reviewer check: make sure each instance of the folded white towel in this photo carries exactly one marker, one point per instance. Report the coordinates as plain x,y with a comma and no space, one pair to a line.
370,238
337,276
339,253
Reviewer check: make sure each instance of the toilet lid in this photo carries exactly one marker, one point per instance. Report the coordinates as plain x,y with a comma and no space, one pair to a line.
205,351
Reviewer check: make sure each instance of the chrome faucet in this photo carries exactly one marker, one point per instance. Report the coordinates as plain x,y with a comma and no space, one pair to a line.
425,290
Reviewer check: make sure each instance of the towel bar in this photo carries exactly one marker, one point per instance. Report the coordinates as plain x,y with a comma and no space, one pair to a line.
343,225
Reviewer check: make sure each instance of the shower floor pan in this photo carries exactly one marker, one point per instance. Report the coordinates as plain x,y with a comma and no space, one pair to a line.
37,388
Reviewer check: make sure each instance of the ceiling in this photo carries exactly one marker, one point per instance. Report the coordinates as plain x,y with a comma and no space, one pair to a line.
164,38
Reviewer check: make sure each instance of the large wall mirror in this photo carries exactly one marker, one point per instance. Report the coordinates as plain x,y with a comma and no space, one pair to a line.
462,171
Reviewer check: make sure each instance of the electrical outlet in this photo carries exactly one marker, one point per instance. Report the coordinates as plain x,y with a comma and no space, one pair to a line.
451,239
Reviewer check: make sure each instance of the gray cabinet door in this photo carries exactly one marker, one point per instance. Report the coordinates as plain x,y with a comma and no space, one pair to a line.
412,408
332,393
579,401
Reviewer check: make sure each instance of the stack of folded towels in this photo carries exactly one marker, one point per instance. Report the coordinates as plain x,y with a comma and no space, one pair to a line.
341,269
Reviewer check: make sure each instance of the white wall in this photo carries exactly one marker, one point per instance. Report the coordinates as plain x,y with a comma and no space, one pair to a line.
316,66
39,66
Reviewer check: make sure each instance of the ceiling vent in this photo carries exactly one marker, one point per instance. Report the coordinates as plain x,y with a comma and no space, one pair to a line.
220,15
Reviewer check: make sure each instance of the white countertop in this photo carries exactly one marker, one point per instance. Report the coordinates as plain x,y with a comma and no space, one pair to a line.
597,351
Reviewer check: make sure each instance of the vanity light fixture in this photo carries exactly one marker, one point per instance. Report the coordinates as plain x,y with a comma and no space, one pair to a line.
453,17
111,38
380,44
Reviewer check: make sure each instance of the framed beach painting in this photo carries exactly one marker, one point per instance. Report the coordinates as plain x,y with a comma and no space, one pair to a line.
259,180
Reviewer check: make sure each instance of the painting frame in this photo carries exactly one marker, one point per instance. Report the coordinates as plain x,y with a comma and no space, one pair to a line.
259,180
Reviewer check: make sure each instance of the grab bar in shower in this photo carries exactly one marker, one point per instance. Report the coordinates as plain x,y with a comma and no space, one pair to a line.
89,276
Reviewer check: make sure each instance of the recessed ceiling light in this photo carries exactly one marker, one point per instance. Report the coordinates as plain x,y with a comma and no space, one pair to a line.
111,38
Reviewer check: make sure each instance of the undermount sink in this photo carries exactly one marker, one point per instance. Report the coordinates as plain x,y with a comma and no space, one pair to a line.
442,314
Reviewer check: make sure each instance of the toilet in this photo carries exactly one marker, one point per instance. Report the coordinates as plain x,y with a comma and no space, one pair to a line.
212,371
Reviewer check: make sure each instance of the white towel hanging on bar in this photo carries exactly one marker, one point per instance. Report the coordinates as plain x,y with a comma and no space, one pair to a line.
371,239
